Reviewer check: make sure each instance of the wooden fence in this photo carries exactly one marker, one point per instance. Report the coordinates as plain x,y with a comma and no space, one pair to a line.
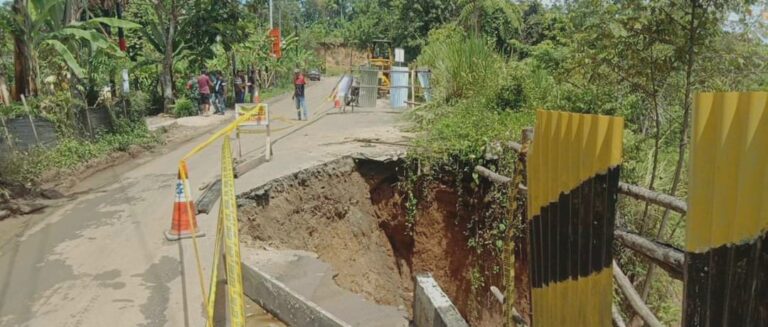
725,265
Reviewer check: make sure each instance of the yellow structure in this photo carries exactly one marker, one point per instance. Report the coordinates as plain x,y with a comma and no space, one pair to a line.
380,57
573,175
726,281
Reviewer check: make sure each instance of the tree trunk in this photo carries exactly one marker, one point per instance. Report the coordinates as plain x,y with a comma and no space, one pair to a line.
23,59
166,78
683,143
72,11
4,95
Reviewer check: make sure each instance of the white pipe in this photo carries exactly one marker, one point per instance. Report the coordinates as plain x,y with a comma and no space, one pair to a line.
271,24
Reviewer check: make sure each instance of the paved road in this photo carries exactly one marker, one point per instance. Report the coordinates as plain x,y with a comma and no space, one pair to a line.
100,259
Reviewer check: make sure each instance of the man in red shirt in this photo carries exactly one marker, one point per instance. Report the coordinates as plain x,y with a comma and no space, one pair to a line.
204,85
298,93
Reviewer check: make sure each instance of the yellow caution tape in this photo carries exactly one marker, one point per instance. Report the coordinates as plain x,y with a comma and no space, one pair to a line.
184,177
224,131
215,269
231,237
227,226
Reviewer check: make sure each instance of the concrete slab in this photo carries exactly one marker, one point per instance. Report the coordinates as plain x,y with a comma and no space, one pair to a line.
432,307
298,288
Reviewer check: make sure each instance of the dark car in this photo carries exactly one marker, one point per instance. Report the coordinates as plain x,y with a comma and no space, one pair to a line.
314,74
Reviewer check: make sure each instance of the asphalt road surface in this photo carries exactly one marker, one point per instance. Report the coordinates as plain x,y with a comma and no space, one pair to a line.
100,258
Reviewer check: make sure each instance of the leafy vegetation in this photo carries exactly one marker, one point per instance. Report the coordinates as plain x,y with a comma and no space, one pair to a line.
71,153
639,60
184,108
493,62
66,61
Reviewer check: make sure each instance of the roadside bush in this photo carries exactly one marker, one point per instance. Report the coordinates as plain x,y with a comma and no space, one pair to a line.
464,132
140,105
184,108
71,153
463,67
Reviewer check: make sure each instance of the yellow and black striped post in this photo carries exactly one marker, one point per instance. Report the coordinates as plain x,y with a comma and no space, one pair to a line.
726,273
573,175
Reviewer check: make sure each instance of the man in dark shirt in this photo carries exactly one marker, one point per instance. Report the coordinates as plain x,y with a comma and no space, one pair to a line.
298,93
204,87
219,101
239,87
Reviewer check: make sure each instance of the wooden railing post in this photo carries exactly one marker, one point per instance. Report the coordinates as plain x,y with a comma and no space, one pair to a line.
634,299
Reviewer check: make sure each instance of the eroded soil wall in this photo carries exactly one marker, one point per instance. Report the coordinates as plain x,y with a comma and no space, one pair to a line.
352,213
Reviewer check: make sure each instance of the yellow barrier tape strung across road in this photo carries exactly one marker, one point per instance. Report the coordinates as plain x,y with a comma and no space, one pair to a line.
215,267
195,226
224,131
231,237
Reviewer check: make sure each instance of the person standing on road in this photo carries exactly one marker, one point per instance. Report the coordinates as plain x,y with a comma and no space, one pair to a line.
298,94
218,91
251,84
239,87
204,87
194,95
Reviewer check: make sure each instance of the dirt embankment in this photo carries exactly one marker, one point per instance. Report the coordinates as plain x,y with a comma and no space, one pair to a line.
353,215
340,57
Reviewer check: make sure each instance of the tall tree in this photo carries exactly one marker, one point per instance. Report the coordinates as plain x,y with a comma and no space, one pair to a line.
167,13
24,61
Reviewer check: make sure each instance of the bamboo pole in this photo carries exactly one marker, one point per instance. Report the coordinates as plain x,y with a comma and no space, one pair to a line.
7,134
518,319
660,199
634,191
667,257
634,298
31,122
492,176
88,121
618,321
413,85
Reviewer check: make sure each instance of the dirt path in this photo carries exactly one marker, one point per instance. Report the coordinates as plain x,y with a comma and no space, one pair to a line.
101,258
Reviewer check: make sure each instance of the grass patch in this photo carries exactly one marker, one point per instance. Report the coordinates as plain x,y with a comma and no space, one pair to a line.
28,167
275,91
464,131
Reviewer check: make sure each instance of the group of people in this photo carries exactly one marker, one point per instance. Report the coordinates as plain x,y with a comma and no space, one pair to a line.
210,89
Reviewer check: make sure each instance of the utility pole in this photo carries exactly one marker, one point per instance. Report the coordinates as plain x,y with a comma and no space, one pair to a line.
271,24
280,18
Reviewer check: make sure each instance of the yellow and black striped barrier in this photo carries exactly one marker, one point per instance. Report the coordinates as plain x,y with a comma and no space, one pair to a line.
726,274
573,175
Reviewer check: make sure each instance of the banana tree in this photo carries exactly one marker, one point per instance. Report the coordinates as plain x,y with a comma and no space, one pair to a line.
161,30
42,24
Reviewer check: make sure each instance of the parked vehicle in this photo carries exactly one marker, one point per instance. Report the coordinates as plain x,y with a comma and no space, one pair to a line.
314,74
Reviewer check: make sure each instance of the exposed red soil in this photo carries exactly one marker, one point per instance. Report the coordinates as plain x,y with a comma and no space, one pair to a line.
353,215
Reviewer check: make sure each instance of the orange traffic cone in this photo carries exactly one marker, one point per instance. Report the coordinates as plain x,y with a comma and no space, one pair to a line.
337,103
184,222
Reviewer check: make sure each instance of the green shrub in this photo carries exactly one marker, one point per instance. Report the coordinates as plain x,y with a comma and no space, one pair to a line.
140,105
463,67
184,108
70,153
